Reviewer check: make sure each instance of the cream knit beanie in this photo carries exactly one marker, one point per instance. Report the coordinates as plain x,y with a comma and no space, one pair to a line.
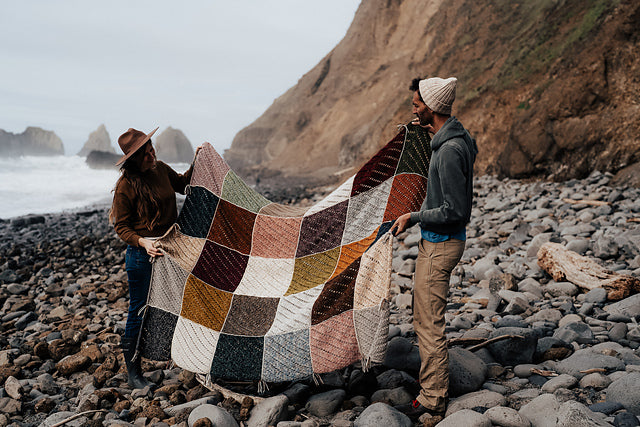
438,93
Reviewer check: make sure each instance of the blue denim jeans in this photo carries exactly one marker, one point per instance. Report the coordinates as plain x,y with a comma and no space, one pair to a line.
138,266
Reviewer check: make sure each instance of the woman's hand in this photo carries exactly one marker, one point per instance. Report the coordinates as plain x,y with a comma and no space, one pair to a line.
149,247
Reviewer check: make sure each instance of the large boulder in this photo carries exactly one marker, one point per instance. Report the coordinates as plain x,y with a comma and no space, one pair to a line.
467,371
629,307
173,147
518,349
99,140
625,390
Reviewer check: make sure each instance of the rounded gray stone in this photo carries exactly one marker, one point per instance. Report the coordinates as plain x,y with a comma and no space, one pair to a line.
596,296
484,398
326,403
506,417
217,415
269,411
626,390
467,371
467,418
585,359
541,411
575,414
561,381
381,414
558,289
595,380
628,307
514,351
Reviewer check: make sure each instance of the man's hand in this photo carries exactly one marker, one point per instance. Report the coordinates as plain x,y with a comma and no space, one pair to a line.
401,224
429,128
149,247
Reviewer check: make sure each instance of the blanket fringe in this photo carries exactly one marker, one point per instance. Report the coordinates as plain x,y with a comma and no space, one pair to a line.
187,190
207,380
263,387
143,310
317,379
366,363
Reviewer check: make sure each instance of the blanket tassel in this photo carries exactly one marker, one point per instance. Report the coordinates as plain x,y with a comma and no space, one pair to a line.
207,380
366,364
317,379
263,387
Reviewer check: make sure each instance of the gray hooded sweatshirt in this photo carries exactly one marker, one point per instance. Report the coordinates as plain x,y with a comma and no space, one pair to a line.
447,207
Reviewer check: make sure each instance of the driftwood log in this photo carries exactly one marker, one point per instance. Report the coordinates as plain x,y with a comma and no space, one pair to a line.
565,265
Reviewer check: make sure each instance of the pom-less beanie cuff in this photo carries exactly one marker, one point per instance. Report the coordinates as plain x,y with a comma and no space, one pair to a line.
438,94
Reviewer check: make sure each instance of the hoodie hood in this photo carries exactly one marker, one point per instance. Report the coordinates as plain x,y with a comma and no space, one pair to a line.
451,129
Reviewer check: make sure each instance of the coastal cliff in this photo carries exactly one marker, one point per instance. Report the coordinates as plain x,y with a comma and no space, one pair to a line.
549,89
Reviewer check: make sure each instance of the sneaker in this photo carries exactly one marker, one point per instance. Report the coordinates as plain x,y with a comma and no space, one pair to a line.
415,409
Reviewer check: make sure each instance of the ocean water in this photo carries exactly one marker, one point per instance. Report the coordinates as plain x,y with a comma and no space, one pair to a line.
36,185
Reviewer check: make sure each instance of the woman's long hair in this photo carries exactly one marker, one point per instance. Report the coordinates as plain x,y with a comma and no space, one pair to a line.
147,206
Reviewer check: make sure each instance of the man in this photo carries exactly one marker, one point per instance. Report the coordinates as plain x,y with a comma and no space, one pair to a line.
442,218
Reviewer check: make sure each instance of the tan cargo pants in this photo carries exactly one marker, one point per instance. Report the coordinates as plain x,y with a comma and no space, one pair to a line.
431,288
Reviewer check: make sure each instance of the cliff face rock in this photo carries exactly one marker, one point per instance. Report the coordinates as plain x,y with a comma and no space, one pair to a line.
34,141
99,140
172,146
548,88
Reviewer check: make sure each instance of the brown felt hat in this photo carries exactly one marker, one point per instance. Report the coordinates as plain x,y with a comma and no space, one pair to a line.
131,141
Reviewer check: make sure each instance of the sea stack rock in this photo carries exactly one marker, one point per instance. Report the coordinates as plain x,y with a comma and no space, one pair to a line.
173,147
34,141
99,140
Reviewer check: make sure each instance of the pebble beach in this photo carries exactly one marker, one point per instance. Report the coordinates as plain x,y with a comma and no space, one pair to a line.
571,356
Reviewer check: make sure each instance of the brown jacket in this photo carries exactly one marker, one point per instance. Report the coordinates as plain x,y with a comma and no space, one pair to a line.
128,225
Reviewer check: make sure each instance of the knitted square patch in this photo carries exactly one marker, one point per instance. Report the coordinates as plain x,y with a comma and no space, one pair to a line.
250,316
313,270
238,357
193,346
407,190
220,266
209,171
333,343
168,297
197,212
286,354
205,304
381,167
269,230
323,230
155,342
232,227
234,190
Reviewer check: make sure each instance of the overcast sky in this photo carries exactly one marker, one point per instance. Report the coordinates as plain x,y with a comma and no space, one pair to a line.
208,68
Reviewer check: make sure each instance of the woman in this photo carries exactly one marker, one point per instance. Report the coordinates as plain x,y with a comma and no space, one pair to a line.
144,207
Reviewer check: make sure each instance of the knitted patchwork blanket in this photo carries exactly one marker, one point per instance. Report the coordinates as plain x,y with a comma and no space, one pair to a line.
248,289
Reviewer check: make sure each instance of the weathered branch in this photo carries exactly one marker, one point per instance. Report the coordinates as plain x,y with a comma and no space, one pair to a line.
565,265
238,397
586,202
73,417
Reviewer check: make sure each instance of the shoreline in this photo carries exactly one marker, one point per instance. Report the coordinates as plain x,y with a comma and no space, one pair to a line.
63,301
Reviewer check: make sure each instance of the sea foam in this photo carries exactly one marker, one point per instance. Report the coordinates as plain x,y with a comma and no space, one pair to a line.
36,185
